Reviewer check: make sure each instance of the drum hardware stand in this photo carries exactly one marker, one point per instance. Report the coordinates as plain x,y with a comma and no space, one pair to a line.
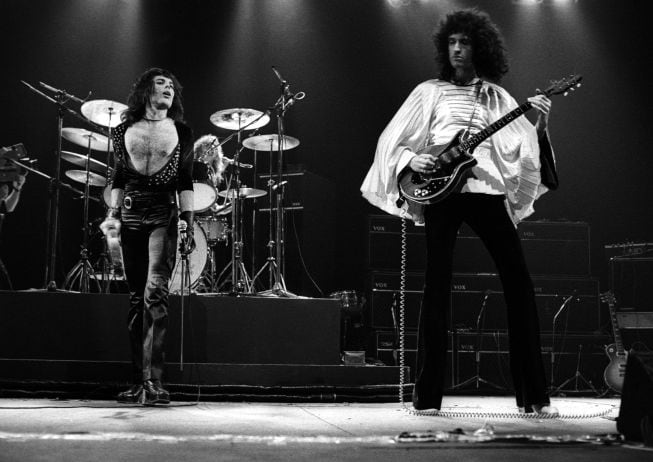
83,270
277,268
104,257
276,280
60,99
240,281
577,375
476,380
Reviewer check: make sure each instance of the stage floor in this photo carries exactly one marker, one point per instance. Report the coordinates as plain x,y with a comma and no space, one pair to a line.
38,429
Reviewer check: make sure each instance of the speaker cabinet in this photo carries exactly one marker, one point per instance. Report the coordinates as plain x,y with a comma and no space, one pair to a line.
580,314
636,411
550,248
631,281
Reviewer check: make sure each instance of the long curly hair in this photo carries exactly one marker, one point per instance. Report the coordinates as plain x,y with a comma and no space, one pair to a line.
141,92
488,51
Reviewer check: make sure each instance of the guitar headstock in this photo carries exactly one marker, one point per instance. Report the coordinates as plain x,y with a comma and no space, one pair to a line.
564,85
609,298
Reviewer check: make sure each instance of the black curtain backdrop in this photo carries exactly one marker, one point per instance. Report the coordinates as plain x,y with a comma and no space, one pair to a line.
357,61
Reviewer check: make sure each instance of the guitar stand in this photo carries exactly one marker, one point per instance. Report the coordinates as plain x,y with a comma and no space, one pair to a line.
477,380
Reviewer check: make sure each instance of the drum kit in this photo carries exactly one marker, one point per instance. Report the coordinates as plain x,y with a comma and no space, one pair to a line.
219,213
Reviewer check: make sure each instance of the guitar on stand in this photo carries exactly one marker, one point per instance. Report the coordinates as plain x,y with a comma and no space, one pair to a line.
454,160
616,369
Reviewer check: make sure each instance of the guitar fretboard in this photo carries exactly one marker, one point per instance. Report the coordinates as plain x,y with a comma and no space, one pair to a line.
478,137
615,329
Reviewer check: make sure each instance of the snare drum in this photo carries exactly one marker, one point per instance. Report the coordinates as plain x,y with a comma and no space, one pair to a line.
196,261
204,194
215,228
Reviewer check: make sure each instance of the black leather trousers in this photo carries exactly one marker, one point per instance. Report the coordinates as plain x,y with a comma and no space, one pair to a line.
149,240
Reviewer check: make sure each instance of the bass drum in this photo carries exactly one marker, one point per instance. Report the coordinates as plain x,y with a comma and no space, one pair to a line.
196,261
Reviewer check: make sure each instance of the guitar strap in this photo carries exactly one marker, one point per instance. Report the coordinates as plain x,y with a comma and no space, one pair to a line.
478,85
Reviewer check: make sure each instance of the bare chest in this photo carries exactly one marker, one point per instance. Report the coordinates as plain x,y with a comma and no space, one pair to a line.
150,145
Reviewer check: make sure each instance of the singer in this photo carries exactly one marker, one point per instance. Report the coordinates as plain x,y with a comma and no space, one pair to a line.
154,159
506,182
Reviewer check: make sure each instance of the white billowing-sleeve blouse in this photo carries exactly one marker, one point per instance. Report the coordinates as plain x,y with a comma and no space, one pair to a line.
434,112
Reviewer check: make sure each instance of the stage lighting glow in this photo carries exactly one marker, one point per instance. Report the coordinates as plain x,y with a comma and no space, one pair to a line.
399,3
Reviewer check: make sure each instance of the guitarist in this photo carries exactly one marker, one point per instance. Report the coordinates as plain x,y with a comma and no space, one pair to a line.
506,182
154,159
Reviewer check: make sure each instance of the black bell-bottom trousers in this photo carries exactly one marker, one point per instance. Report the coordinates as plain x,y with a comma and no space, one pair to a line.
487,216
149,240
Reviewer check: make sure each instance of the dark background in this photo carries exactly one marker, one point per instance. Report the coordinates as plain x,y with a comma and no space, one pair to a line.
357,60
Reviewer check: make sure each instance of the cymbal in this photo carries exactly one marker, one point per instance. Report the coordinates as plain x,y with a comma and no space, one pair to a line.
80,159
237,118
103,112
270,142
80,137
80,176
244,193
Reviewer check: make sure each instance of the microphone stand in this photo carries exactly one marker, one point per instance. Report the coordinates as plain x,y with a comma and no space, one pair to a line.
184,282
577,375
278,270
477,379
60,99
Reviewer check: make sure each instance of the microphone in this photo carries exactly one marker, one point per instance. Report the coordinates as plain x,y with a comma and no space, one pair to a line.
183,235
281,79
229,161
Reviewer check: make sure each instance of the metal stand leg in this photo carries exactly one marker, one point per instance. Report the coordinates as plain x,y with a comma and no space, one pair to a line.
83,270
576,378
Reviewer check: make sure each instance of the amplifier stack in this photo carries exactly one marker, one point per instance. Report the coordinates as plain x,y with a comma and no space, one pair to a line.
558,256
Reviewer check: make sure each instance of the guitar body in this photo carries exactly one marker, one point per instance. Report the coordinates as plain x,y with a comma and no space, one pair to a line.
453,165
615,371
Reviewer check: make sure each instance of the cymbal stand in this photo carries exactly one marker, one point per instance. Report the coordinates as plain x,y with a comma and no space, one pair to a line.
278,270
83,270
275,280
104,263
61,97
240,280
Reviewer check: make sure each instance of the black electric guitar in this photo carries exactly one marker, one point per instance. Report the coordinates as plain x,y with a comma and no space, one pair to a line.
615,371
454,160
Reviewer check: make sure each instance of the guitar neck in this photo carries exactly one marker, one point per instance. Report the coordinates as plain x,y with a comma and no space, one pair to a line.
615,329
477,138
